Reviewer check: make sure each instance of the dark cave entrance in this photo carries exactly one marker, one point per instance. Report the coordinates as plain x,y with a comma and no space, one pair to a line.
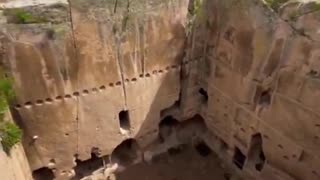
204,95
256,156
126,153
239,158
42,174
203,149
124,120
166,127
87,167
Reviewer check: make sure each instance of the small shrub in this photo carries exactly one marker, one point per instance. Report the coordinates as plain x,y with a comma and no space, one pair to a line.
20,16
275,4
3,107
316,6
194,12
9,132
24,17
196,7
10,135
6,89
6,94
294,16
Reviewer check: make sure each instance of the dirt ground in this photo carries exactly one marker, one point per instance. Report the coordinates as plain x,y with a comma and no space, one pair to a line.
179,164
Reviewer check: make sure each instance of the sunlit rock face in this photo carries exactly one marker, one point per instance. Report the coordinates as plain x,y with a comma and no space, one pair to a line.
91,75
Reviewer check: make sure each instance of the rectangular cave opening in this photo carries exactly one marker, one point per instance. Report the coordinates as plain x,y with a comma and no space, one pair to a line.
239,158
263,96
124,120
256,156
204,95
260,161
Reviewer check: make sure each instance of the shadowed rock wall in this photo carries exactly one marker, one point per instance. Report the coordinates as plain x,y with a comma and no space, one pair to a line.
263,80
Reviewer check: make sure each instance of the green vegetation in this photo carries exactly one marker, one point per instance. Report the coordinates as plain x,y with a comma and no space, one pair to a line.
56,31
20,16
312,7
197,4
316,6
125,21
275,4
294,16
10,134
6,88
6,94
194,12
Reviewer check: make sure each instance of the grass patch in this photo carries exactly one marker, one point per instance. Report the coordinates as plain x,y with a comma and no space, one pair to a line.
197,4
294,16
6,89
194,12
316,6
275,4
10,133
21,16
6,94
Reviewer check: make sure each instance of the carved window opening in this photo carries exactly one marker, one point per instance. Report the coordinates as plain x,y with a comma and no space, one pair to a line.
260,164
124,120
239,158
204,95
256,156
265,98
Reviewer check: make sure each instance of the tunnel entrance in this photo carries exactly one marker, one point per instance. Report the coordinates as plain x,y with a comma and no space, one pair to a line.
43,173
126,153
166,127
86,168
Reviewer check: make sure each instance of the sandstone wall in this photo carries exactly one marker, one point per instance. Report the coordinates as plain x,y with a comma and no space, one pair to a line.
91,74
263,84
77,65
14,164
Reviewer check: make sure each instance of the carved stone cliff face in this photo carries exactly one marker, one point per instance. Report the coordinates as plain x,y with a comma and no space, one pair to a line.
90,75
75,75
263,81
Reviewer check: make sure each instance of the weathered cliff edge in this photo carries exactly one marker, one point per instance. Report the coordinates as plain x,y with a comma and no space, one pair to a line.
92,74
14,164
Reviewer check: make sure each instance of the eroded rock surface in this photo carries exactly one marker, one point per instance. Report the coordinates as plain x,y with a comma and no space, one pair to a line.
91,75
